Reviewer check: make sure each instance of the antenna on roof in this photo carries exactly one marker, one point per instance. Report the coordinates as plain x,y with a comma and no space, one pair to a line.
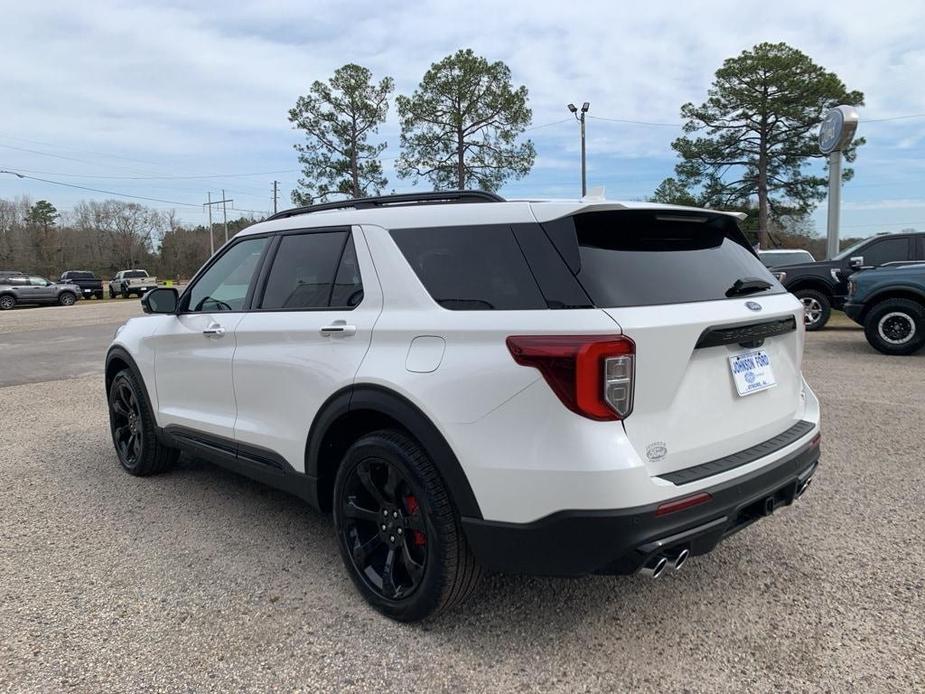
596,194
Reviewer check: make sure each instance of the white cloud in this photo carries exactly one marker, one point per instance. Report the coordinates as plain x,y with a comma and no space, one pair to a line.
190,87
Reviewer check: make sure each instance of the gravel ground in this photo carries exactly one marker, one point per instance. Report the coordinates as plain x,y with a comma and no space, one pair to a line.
200,580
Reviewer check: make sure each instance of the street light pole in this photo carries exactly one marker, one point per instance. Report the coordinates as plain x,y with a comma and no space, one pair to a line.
584,161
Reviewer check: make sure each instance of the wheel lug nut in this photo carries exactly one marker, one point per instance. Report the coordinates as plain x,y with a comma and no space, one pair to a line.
391,538
383,527
399,531
385,512
394,514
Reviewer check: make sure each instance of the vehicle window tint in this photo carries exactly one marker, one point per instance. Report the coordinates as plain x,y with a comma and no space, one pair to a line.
38,281
885,251
472,268
348,286
644,258
223,287
134,274
303,270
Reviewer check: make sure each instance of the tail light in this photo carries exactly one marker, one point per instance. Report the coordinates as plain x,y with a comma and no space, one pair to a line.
591,374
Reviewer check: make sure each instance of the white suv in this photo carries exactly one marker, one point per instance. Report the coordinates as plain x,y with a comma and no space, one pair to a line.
471,384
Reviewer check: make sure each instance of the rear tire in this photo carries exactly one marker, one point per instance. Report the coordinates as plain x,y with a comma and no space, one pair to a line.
134,431
817,308
112,294
419,563
67,299
896,326
7,301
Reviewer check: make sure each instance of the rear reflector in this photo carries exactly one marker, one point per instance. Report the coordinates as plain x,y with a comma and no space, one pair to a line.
591,374
683,503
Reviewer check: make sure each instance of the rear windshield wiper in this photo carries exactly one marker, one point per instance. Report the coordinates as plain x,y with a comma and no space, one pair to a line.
748,285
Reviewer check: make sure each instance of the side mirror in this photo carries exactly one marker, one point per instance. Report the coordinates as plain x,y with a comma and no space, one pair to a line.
856,261
160,300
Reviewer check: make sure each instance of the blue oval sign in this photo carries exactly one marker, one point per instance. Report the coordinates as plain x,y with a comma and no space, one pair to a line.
753,305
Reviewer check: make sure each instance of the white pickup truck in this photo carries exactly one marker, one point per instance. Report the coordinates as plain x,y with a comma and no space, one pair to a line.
128,282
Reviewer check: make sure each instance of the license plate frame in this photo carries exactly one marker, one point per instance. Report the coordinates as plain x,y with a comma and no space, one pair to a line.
752,372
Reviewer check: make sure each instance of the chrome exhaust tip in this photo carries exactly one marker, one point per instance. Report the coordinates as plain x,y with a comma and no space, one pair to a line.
681,558
803,487
655,567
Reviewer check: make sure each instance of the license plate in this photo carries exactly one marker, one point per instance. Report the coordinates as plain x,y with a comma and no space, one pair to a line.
752,372
87,291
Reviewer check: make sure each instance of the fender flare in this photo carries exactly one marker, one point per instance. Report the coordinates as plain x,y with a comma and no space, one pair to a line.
380,400
119,352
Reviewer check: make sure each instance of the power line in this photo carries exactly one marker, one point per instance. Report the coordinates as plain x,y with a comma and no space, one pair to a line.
115,193
637,122
546,125
160,178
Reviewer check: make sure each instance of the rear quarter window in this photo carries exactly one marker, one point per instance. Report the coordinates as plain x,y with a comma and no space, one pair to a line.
471,268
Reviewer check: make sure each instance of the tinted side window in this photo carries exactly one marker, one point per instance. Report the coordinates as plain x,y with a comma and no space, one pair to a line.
224,286
303,272
348,286
473,268
886,251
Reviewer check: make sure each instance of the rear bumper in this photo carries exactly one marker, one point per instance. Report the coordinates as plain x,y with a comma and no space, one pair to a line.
575,543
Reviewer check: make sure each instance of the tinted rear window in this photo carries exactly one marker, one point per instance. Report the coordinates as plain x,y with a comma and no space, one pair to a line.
778,259
643,258
472,268
73,275
135,273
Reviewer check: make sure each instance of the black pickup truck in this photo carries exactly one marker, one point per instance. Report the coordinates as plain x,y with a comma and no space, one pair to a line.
90,284
823,285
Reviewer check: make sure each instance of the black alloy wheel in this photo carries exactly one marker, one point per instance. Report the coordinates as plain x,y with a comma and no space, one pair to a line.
125,414
133,429
384,529
397,529
896,326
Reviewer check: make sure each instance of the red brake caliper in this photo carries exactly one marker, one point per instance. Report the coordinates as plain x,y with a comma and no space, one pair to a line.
411,504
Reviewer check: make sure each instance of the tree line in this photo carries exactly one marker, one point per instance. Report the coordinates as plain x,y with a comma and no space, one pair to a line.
102,236
749,146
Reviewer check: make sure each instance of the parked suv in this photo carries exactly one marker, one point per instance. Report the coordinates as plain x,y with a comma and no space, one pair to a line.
469,384
823,285
890,303
23,289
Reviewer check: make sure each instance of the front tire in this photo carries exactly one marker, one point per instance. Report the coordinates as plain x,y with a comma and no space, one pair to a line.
67,299
134,432
7,301
896,326
398,532
817,308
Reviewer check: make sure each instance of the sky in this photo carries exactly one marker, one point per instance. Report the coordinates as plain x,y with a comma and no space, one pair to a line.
176,100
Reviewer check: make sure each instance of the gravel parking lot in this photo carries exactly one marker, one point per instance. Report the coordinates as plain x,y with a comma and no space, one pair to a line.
202,581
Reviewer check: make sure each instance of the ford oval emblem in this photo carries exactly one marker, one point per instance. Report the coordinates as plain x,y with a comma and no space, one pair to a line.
753,305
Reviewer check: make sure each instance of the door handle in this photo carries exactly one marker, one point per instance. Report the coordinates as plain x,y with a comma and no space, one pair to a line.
339,327
214,330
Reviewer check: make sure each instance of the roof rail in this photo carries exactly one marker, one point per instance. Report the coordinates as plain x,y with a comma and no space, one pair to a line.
435,197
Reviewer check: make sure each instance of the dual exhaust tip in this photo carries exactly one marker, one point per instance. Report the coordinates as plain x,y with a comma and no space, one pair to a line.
656,566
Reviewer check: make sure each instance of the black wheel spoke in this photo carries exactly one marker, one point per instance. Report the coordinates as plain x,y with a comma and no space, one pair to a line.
392,481
415,521
415,569
353,510
364,472
136,445
388,575
121,431
119,408
363,550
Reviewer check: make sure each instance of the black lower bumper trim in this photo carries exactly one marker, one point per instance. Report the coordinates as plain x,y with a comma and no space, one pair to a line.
575,543
749,455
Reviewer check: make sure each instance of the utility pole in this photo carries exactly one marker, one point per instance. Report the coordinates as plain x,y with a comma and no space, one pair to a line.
584,162
275,190
225,216
224,213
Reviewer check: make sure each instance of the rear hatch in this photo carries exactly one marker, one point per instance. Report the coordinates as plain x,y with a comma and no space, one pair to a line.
718,340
